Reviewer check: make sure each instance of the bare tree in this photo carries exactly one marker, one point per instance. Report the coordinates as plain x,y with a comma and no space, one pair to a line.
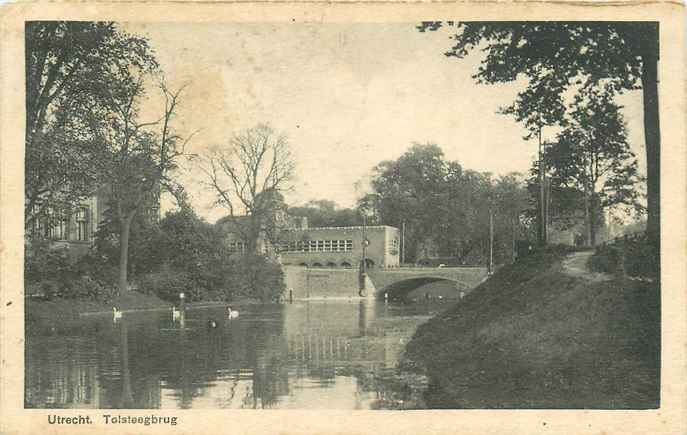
248,176
138,156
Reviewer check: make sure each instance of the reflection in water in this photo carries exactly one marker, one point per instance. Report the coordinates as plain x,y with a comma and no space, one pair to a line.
335,354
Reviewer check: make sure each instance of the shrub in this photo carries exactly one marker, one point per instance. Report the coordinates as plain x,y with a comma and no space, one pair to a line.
168,284
86,287
256,277
46,262
637,257
642,259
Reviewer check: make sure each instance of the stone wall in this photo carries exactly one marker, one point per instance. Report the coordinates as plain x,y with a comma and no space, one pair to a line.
322,282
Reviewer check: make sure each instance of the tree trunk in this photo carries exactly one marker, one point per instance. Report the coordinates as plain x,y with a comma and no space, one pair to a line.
587,218
652,140
592,220
125,230
512,240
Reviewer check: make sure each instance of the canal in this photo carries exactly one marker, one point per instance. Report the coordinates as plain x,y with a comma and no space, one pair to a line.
334,354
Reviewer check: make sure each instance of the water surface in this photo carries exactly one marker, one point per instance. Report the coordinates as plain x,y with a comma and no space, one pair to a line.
306,355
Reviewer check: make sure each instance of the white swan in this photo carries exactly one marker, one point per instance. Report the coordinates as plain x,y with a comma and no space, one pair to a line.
232,314
176,314
116,314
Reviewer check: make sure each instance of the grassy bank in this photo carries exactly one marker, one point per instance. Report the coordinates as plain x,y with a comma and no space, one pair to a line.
63,311
534,336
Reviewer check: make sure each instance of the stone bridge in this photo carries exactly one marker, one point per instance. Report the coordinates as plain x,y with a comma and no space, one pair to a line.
399,282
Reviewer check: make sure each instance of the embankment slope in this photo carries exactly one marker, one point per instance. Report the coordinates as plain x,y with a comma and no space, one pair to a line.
536,335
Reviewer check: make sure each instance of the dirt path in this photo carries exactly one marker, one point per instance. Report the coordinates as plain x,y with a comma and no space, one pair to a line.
576,265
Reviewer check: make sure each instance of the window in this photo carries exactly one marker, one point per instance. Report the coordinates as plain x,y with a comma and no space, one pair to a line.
316,246
56,228
393,246
82,224
236,247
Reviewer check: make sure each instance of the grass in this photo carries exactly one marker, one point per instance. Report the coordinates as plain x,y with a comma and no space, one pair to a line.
534,337
65,311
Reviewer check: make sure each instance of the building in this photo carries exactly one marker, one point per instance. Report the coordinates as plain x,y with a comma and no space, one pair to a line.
300,245
77,228
340,246
232,227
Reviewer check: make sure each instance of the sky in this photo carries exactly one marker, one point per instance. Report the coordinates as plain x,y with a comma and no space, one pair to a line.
347,96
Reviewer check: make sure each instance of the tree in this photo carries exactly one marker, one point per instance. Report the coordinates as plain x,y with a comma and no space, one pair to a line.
592,155
326,213
557,56
464,213
409,190
68,64
248,175
137,156
445,206
511,202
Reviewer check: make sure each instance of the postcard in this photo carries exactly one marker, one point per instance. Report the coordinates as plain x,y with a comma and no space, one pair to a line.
343,218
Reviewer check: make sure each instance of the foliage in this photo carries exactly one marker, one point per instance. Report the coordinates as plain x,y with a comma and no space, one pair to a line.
68,64
43,262
138,159
194,247
446,208
144,250
52,272
634,257
556,57
326,213
167,285
85,86
257,277
408,190
592,156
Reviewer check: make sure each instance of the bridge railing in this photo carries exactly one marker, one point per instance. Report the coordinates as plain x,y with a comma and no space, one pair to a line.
421,266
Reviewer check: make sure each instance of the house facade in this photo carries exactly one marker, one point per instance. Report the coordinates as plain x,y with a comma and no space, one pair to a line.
77,228
301,245
340,246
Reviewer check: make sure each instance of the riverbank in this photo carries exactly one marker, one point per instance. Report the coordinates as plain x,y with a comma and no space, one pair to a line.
63,311
536,335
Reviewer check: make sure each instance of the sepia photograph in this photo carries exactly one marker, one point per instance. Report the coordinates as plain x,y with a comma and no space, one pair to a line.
350,216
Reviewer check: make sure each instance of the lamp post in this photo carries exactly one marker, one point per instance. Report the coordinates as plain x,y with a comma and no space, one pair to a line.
363,263
403,242
491,240
182,309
